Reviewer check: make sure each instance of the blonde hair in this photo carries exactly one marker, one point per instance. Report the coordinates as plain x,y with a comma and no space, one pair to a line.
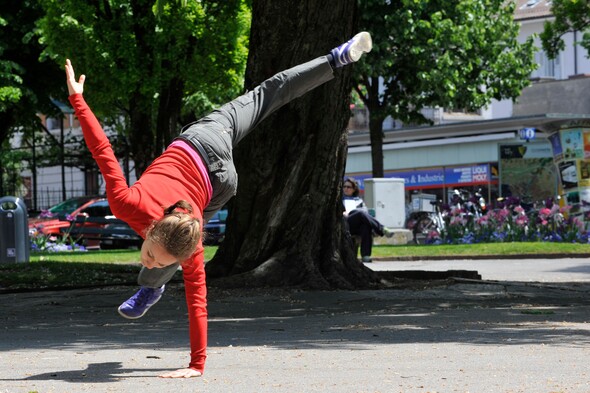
177,231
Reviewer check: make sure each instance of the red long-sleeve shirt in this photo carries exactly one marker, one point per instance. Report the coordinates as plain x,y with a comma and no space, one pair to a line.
171,177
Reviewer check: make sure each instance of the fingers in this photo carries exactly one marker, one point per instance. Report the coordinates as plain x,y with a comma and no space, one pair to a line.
69,69
182,373
73,86
71,74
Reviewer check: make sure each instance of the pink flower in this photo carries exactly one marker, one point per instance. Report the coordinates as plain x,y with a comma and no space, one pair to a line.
456,211
544,212
456,220
482,220
521,220
503,214
46,214
519,209
433,235
578,223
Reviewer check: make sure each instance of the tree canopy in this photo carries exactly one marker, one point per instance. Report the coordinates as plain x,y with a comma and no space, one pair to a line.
26,84
570,16
437,53
147,60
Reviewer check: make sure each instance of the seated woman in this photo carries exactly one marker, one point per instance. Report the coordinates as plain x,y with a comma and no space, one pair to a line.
360,222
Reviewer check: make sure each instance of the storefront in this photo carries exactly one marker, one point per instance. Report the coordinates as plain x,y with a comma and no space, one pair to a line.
491,157
442,181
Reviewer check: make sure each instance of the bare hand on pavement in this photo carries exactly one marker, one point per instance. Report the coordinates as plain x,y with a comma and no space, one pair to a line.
182,373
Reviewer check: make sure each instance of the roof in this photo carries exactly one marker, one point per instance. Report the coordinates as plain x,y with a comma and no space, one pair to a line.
544,123
532,9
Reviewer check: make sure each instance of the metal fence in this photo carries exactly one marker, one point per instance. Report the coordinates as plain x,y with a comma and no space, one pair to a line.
48,198
44,199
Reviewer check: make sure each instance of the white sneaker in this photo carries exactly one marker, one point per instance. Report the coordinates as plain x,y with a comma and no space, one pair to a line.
352,50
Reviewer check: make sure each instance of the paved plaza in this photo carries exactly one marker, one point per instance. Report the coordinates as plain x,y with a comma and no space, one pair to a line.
505,333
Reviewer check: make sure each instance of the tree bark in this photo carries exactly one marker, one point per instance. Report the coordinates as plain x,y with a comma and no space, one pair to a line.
141,136
285,226
376,135
169,105
377,116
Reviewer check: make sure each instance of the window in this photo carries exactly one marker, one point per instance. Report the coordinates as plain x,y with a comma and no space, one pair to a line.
530,4
52,123
548,68
463,110
359,120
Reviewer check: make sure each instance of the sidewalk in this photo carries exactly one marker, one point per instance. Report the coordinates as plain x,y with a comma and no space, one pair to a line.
555,269
459,336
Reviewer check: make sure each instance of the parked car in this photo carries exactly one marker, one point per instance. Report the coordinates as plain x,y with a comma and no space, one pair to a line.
94,213
120,235
214,230
64,208
54,223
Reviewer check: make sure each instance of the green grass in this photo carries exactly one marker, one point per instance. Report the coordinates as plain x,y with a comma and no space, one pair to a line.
485,249
103,256
76,269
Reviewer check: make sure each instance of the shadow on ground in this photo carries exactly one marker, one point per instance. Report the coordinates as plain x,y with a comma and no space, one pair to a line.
481,313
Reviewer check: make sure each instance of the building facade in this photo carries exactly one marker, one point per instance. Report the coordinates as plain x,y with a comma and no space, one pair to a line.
490,150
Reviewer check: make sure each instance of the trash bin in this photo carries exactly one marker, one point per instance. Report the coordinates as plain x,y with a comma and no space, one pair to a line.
14,230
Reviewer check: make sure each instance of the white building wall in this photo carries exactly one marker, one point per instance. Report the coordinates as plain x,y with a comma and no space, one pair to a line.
49,184
572,60
501,109
410,156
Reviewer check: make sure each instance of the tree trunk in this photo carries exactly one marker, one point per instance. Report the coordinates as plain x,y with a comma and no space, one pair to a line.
7,121
376,134
286,227
372,100
141,136
170,101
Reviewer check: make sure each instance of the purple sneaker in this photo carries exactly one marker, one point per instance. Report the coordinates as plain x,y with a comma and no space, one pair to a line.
137,305
352,50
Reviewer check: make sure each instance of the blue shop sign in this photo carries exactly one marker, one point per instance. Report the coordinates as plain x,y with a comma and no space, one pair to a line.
467,175
526,134
424,178
439,177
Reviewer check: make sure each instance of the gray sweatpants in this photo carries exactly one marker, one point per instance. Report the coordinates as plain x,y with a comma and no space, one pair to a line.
215,136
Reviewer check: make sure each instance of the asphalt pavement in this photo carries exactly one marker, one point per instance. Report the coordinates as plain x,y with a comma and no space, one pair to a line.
523,328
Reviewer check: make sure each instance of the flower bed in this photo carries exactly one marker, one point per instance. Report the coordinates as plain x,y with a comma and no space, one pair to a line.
511,223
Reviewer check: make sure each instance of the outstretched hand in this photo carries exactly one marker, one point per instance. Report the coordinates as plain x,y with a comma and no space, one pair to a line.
73,86
182,373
